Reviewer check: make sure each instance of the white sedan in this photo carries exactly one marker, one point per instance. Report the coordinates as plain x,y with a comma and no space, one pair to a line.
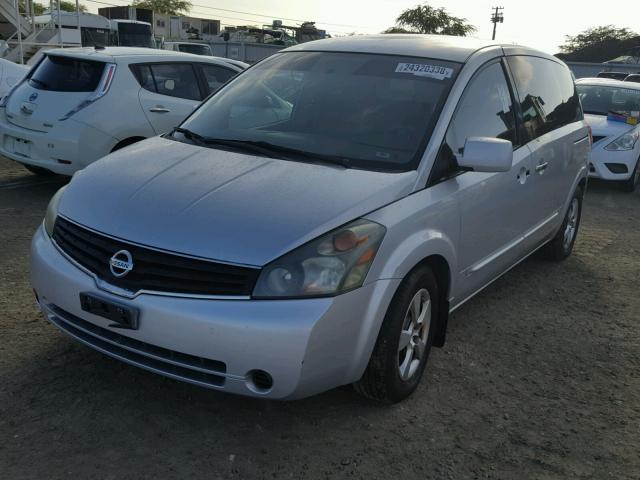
616,149
79,104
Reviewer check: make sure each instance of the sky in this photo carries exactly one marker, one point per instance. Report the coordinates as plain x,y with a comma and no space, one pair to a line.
540,24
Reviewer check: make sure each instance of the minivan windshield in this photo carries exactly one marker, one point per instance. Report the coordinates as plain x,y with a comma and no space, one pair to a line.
368,111
66,74
600,99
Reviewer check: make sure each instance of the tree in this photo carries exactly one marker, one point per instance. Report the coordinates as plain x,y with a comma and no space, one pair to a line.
39,8
594,36
168,7
600,44
427,19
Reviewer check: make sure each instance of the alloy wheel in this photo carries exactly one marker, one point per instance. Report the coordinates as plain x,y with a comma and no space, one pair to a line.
415,331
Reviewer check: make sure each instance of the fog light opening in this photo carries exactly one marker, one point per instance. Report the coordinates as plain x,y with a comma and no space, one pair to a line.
617,167
259,381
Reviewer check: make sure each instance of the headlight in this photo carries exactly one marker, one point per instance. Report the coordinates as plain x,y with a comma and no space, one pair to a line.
52,211
624,142
329,265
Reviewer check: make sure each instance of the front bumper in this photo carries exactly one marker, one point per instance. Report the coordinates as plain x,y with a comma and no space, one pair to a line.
68,141
307,346
601,157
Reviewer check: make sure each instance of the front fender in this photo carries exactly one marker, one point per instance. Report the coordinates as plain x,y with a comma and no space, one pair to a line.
421,225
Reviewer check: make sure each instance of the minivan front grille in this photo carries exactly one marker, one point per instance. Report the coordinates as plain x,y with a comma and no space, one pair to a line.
153,270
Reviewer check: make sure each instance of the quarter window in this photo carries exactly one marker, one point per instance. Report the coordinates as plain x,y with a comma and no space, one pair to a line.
547,95
485,110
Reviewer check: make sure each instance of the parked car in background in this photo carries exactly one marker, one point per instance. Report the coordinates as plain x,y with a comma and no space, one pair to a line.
79,104
613,75
10,74
616,149
188,47
315,221
634,77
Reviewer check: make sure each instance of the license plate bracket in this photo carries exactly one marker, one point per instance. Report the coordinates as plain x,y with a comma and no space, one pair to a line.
22,147
123,315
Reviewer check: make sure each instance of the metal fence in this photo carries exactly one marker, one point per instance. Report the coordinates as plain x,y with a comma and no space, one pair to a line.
245,52
583,69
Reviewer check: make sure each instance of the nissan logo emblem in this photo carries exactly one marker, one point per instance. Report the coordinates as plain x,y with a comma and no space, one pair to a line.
121,263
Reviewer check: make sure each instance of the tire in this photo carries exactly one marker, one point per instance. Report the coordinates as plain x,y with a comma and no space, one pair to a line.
126,142
38,170
561,246
393,372
631,184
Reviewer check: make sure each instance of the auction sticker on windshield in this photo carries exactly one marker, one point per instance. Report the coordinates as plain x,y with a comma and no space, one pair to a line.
425,70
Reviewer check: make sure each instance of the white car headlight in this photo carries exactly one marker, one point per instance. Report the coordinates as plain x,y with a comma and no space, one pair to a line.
52,211
625,142
329,265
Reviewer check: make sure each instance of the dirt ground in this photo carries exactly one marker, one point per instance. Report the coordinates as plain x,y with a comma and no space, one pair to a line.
540,379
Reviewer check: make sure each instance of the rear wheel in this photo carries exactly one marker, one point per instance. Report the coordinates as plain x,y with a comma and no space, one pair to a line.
38,170
561,246
631,184
404,342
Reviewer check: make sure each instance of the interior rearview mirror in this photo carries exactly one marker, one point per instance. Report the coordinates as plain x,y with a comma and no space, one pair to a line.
486,154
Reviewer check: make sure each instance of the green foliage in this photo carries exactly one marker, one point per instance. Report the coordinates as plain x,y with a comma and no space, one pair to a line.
427,19
600,44
168,7
39,8
593,36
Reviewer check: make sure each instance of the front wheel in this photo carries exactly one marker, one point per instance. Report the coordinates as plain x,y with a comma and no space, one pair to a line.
404,342
631,183
561,246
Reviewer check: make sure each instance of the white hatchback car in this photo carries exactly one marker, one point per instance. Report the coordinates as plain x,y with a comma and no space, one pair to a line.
616,150
79,104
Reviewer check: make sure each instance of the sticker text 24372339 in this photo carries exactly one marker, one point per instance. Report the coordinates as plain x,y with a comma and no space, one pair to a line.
425,70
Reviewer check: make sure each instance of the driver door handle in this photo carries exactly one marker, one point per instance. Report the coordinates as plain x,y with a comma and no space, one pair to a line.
159,109
541,167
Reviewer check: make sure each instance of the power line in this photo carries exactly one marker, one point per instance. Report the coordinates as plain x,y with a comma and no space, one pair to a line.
275,16
242,13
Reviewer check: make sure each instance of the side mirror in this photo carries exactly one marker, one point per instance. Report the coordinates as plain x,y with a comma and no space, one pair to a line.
486,154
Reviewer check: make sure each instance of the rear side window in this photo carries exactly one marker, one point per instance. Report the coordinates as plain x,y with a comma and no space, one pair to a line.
216,76
65,74
172,79
485,110
548,97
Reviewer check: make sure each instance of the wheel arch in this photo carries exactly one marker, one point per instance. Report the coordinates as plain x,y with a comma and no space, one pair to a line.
126,142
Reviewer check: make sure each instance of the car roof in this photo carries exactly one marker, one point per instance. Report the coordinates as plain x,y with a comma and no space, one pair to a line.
444,47
608,82
134,54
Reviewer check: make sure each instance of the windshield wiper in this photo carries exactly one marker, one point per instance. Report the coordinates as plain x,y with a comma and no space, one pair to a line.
265,148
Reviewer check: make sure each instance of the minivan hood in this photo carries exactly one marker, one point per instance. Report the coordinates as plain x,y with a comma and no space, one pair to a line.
602,127
221,205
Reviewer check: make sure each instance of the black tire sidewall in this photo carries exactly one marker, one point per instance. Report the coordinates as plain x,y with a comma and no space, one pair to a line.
565,252
389,339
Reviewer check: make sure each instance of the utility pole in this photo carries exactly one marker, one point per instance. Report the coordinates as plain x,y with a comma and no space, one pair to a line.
496,17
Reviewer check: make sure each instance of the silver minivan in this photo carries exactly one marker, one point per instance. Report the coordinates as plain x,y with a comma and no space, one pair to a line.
316,220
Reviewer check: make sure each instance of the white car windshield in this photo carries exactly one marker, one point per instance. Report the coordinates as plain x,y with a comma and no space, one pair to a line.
601,99
366,110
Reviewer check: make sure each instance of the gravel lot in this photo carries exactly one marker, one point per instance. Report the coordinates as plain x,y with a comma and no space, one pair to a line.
540,378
